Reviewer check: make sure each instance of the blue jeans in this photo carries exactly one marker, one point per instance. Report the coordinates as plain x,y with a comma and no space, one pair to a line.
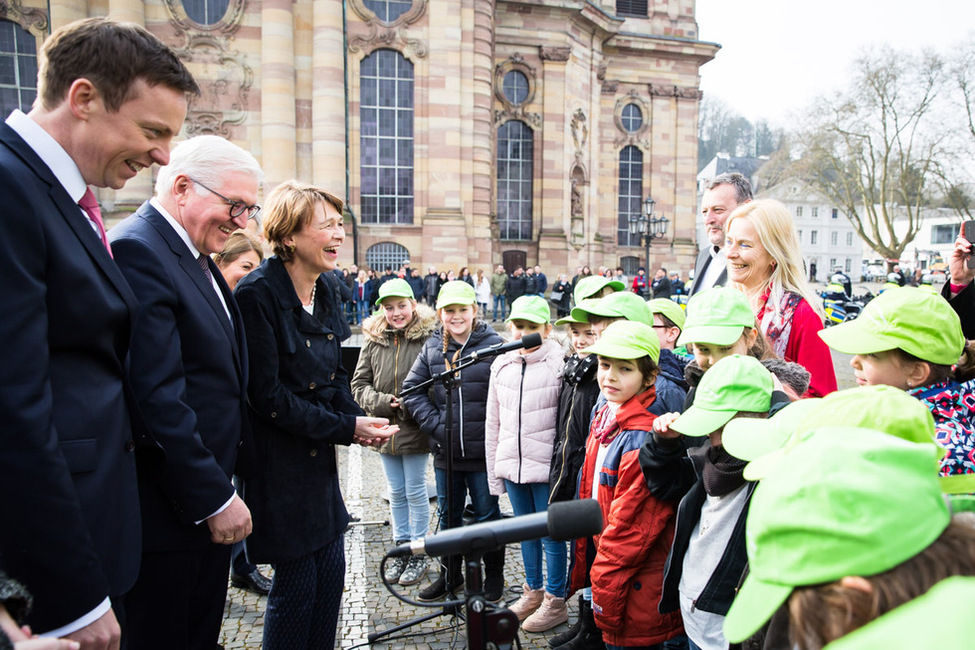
362,307
303,606
499,300
485,504
408,504
527,499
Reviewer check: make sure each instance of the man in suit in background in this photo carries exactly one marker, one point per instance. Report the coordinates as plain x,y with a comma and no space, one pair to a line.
723,194
188,371
70,529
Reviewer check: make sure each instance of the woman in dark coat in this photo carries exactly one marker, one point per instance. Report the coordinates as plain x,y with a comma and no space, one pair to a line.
301,407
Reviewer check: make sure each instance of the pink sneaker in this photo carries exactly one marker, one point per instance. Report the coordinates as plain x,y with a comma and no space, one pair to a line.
551,612
528,602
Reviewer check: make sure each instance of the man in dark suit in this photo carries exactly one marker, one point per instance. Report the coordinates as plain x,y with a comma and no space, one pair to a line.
723,194
188,371
70,528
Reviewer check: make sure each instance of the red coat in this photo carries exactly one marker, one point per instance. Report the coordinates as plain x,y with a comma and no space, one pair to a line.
627,574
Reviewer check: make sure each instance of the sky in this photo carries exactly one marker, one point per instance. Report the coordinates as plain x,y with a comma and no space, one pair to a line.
777,56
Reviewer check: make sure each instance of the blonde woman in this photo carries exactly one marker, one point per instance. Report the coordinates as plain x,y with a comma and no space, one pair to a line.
765,262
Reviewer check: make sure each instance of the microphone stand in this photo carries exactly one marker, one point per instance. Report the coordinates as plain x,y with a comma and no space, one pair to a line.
496,628
448,378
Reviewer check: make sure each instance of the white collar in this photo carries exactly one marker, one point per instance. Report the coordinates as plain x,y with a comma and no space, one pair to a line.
50,152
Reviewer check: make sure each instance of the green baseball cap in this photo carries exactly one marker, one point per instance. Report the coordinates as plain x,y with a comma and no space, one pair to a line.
398,288
669,308
455,292
592,284
848,502
626,339
717,316
880,408
911,624
622,304
733,384
530,308
906,318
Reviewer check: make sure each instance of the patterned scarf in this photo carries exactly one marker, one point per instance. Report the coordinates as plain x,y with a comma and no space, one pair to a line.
776,320
723,473
604,426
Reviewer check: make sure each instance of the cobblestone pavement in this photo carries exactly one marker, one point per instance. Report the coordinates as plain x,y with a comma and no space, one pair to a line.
366,605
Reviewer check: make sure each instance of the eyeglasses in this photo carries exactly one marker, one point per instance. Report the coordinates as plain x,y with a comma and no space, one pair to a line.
237,208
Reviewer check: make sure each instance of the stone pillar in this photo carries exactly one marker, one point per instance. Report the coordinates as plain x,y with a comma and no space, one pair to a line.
553,152
277,91
483,134
328,96
67,11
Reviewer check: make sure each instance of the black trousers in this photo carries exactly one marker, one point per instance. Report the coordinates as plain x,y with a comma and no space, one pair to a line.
178,600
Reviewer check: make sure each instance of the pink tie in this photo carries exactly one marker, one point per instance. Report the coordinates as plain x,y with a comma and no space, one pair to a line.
89,204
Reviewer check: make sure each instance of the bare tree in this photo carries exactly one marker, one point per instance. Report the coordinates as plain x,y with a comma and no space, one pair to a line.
874,149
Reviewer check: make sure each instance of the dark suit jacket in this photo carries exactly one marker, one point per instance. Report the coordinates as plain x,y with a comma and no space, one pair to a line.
70,516
703,261
189,374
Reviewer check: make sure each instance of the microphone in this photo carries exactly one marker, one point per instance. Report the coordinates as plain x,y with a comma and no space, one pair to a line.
563,521
529,341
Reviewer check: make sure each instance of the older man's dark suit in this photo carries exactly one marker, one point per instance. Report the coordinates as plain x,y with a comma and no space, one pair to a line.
704,260
189,375
70,515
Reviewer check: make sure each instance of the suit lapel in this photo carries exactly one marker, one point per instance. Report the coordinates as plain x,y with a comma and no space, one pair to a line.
71,213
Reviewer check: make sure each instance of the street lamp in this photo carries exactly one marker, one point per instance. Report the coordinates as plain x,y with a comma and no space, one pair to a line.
649,227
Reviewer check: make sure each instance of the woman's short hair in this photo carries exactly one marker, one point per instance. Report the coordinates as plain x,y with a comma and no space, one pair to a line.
239,242
290,207
207,159
777,231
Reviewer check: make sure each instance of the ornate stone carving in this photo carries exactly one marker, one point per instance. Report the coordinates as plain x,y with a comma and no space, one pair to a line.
687,92
515,62
601,72
31,19
578,182
381,36
517,113
228,24
580,128
609,87
550,53
408,17
637,137
225,79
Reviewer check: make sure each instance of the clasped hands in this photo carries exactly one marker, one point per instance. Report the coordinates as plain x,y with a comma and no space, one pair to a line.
372,432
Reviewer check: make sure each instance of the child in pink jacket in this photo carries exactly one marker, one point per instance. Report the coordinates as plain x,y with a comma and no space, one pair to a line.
519,429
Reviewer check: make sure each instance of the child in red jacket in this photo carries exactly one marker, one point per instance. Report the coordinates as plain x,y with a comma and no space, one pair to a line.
628,556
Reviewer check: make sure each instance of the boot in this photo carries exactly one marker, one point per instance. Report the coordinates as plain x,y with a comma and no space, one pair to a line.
571,633
494,575
438,588
527,603
551,613
590,637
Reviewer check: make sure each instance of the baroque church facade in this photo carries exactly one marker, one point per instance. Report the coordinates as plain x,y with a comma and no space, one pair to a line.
462,132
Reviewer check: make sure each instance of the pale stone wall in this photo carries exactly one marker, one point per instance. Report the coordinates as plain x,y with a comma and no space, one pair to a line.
274,80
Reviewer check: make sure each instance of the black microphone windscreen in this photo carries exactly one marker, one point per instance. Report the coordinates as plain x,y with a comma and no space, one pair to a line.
532,340
573,519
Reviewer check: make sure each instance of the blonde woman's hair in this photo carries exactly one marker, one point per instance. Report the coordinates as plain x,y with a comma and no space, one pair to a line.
239,242
290,207
777,232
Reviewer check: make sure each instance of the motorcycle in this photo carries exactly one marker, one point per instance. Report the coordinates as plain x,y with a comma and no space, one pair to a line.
839,308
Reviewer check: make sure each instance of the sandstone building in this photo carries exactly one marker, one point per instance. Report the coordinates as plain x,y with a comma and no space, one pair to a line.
463,132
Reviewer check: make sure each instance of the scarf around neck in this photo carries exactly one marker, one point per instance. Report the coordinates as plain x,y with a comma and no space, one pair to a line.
723,473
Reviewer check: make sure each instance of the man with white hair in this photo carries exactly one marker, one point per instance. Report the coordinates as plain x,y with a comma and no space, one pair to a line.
188,369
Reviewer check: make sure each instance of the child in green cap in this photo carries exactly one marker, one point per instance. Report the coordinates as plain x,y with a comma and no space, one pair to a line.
628,556
912,340
393,338
519,431
461,333
707,560
851,525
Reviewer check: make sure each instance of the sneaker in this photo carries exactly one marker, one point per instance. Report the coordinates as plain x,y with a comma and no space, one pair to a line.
551,613
394,568
415,569
527,603
438,589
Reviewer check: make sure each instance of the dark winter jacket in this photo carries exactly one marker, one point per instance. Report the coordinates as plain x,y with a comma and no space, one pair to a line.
431,285
577,396
301,406
541,282
418,286
661,288
386,358
516,288
469,398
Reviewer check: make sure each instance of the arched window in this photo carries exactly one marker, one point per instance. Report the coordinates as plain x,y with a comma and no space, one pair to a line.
385,255
631,193
205,12
515,170
18,68
388,10
386,138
